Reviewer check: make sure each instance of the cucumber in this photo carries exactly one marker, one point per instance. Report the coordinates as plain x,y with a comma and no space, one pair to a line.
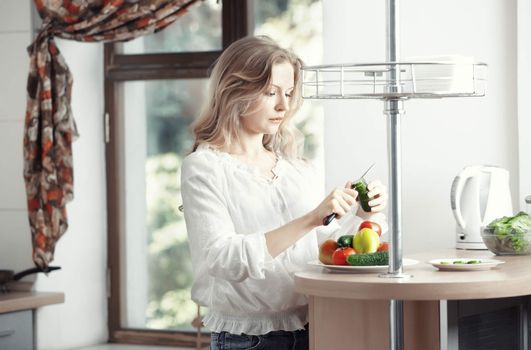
363,194
369,259
345,241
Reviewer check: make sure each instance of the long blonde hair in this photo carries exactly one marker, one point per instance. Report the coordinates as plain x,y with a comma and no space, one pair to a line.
240,76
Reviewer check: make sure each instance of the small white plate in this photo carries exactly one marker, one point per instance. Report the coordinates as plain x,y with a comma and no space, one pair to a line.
359,269
448,264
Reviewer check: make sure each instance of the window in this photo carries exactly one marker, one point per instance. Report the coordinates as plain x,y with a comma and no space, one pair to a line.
154,87
296,24
198,30
157,266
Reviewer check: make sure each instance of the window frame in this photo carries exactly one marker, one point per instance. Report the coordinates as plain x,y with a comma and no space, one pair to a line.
119,68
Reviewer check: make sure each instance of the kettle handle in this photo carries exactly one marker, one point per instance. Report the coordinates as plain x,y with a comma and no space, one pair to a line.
455,195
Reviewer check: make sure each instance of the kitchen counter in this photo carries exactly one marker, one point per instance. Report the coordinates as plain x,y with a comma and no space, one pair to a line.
21,300
358,304
17,309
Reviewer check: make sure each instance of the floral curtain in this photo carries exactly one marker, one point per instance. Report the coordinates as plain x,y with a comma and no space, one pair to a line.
49,124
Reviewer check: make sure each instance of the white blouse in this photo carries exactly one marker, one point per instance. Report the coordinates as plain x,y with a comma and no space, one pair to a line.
228,208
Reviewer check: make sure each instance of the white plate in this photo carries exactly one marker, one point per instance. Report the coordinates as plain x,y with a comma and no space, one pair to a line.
484,264
360,269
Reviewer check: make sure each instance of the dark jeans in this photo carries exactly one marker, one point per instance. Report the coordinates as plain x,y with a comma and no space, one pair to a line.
277,340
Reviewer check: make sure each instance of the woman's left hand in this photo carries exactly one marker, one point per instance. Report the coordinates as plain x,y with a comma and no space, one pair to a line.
378,195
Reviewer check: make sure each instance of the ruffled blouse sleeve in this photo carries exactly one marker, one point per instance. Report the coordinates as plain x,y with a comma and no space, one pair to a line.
213,240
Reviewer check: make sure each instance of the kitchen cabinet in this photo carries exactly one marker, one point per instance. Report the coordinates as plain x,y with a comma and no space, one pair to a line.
16,330
437,305
500,323
16,317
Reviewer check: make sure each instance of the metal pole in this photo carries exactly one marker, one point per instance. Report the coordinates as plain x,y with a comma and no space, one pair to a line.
395,188
396,332
393,109
392,30
396,314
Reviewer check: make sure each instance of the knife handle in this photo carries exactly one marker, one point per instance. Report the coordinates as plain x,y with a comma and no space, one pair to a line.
328,219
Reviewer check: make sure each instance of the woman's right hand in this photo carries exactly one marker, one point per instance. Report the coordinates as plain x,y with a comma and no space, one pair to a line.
339,201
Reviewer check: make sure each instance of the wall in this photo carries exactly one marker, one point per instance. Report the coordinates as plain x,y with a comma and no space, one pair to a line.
524,91
82,319
15,35
439,137
81,252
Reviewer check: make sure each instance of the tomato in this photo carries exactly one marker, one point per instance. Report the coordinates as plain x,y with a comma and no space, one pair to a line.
340,255
326,250
372,225
384,247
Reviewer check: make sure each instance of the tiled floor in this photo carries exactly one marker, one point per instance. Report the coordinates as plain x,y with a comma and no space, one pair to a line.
130,347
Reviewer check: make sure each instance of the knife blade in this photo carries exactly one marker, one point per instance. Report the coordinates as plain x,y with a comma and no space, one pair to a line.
366,171
328,219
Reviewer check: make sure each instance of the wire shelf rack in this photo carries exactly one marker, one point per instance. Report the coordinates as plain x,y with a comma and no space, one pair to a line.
394,80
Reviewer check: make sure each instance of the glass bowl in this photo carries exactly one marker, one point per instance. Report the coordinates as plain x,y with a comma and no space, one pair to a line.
513,243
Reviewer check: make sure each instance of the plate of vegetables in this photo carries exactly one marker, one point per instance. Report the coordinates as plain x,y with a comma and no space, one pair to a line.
465,264
362,252
370,261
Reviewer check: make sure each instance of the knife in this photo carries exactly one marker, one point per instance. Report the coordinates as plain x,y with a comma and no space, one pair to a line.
328,219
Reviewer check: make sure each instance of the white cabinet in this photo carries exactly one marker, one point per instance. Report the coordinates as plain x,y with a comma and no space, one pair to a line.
16,330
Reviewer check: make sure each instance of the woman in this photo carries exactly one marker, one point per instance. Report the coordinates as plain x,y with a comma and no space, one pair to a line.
252,205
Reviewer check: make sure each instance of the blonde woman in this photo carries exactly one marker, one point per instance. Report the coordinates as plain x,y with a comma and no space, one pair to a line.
252,205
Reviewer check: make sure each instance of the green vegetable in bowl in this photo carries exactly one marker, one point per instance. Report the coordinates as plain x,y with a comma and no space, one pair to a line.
511,231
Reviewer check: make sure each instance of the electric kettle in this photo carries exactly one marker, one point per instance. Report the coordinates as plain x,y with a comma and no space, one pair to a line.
479,195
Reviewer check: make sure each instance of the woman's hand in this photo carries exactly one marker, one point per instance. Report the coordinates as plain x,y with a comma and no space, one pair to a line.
339,201
378,195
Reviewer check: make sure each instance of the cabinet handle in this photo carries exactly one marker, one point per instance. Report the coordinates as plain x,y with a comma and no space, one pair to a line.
7,333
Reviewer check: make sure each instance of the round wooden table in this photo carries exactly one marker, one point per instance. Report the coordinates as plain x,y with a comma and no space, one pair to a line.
353,308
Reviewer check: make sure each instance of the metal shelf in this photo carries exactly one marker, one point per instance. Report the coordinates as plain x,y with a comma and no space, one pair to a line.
412,80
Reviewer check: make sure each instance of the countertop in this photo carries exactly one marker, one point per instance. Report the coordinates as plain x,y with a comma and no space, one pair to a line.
24,300
512,278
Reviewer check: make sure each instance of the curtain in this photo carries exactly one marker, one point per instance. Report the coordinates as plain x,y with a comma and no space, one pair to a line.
49,124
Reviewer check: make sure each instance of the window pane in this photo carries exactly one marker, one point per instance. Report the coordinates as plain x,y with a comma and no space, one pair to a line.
198,29
296,24
157,266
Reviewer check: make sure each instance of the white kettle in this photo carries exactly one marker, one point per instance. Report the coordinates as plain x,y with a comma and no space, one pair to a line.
479,195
